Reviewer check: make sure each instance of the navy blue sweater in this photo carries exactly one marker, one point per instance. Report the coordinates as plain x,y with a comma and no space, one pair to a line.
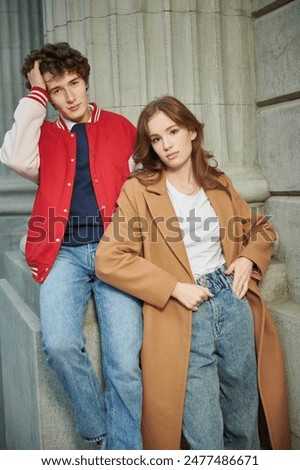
85,223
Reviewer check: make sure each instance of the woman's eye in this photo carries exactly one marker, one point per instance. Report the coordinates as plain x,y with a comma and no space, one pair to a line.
174,131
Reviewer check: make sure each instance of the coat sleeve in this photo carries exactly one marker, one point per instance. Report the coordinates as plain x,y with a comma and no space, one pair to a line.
119,258
258,234
20,149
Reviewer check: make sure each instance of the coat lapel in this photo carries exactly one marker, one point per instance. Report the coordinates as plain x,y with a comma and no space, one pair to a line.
165,220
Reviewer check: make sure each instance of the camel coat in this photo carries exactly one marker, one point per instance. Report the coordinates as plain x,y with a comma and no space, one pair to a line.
142,253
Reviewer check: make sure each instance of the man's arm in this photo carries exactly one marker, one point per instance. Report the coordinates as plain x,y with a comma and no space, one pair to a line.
20,151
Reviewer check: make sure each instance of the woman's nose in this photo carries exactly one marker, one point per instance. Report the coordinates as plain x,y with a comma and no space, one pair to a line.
167,143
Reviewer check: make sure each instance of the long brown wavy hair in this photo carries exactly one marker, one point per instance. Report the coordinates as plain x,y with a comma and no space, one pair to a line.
150,167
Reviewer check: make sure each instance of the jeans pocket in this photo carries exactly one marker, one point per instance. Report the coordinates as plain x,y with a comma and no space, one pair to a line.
232,291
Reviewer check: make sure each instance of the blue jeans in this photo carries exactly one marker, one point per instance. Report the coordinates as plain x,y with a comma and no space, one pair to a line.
221,403
63,300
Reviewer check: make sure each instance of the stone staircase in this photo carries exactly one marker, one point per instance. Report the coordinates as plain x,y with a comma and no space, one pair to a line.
37,414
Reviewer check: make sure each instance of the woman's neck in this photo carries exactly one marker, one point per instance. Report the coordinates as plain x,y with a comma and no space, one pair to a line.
183,180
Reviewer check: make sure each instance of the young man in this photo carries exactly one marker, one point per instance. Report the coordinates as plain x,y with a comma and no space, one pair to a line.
79,163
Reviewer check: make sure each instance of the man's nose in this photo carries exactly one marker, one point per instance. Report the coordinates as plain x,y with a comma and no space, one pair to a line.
69,96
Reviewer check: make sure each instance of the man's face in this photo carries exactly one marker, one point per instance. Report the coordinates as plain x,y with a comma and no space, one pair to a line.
68,94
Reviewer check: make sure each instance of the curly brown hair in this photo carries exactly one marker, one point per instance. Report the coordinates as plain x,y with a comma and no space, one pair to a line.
149,165
57,59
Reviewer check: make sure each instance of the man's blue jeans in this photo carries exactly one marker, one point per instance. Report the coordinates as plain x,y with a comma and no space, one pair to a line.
63,300
221,404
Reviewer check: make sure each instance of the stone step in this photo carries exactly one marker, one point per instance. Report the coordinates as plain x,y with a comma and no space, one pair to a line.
287,319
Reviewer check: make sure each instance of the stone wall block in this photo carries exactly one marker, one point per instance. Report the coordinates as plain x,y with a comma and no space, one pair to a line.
279,145
277,37
285,212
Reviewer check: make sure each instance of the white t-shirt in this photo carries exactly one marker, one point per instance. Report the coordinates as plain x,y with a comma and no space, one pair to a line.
200,230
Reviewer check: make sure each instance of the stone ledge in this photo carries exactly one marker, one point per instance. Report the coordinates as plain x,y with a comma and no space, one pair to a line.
38,414
287,319
274,284
18,274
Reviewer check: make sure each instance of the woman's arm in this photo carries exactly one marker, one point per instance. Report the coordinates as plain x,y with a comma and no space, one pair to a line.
256,253
119,258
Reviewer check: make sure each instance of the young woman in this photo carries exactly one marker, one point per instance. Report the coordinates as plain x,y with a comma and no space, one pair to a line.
185,243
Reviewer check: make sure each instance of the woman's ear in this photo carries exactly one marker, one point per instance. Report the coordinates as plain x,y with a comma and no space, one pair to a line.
193,134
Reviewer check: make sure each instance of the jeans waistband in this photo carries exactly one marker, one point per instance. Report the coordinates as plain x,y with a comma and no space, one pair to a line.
216,280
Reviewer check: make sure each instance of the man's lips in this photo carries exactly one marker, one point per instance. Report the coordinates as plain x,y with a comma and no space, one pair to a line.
74,108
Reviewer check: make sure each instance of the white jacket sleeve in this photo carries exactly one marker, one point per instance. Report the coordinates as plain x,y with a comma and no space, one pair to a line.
20,149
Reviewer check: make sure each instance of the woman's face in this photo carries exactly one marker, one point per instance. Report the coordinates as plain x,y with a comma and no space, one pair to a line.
171,142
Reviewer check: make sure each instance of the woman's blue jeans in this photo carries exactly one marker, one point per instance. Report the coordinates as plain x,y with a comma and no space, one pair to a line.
63,300
221,404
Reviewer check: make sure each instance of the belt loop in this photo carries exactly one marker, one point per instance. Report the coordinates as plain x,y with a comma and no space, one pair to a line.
201,280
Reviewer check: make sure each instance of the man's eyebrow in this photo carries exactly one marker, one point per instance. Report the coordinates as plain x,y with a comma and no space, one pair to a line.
57,87
53,88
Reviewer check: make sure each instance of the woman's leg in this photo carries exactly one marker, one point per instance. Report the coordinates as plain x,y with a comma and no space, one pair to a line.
221,405
203,422
238,373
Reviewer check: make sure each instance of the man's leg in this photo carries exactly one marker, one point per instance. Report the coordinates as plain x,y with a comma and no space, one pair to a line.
63,300
120,321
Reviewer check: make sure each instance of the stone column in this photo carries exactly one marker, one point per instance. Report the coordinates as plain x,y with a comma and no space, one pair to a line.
20,32
199,51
